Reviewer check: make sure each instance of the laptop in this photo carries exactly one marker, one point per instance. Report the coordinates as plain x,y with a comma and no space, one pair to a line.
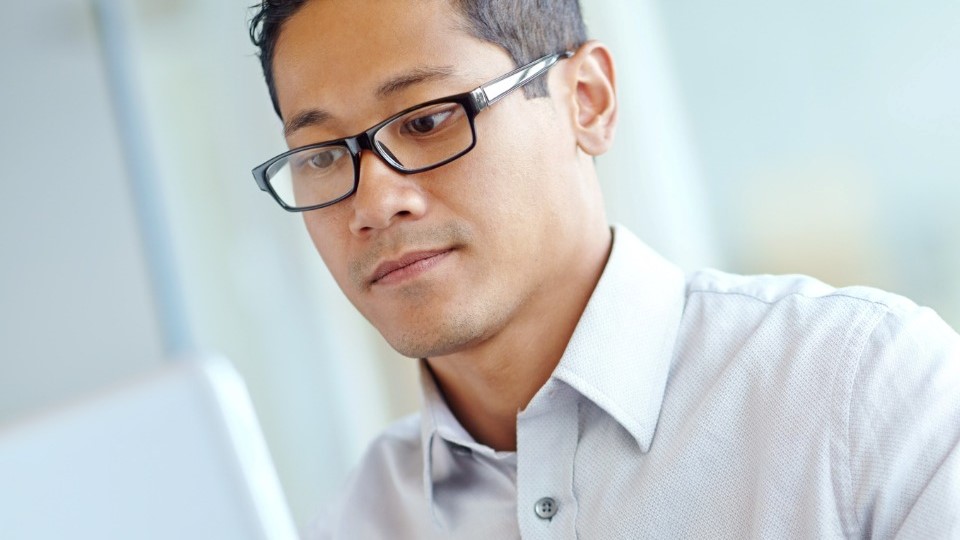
175,455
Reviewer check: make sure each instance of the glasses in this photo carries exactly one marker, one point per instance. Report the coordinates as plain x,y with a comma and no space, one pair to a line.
414,140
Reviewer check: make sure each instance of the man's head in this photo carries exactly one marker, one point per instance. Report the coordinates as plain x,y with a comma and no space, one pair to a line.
488,242
525,29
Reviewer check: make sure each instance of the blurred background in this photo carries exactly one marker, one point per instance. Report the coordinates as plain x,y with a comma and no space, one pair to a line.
818,138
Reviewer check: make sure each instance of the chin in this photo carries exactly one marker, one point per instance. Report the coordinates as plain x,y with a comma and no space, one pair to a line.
427,345
444,337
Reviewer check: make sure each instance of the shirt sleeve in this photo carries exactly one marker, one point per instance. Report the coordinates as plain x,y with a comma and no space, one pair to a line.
904,428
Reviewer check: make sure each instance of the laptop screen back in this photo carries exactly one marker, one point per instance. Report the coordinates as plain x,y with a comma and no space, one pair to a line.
176,455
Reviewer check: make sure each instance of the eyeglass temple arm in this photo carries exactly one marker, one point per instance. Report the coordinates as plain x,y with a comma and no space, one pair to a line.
496,89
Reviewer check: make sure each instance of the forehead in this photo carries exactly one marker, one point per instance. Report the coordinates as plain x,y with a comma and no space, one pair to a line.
336,52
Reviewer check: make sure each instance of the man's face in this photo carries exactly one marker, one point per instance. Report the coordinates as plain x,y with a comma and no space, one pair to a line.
438,261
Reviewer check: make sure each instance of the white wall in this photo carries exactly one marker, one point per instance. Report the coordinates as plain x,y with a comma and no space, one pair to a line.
827,135
76,310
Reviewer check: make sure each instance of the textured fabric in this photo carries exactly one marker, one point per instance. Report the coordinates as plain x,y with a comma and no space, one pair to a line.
708,406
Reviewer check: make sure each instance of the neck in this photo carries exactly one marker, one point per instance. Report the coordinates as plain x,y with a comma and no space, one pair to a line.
488,384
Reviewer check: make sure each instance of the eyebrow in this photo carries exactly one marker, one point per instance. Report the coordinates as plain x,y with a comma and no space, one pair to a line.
416,76
313,117
302,119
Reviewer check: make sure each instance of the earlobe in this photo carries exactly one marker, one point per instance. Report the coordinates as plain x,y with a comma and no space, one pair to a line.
594,98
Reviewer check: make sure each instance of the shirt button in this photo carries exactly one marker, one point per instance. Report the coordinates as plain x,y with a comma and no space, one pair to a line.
545,508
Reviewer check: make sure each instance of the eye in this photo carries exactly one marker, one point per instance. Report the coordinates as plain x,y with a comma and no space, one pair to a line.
324,158
427,122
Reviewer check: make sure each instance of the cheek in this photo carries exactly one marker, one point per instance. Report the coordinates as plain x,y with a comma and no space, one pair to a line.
522,195
528,201
526,161
330,243
500,180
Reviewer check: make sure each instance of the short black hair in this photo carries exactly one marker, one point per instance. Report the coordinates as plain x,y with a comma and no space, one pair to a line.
526,29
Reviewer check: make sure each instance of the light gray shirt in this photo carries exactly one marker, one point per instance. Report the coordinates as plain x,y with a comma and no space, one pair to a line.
701,406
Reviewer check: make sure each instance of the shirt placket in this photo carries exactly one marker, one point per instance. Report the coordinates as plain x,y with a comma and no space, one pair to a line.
547,433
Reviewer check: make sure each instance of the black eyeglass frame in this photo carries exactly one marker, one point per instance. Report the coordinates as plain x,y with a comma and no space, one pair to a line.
472,102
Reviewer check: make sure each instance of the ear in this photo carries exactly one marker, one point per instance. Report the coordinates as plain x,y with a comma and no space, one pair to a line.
592,78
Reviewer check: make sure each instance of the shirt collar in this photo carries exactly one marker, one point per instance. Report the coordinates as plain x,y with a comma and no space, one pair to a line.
437,424
432,400
618,356
620,352
440,434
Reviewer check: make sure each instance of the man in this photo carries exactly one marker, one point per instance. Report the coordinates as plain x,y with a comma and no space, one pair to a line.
576,384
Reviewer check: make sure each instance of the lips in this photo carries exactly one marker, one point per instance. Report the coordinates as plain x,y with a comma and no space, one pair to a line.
392,269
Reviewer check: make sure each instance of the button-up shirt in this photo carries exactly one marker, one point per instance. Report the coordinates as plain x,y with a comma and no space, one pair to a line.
702,406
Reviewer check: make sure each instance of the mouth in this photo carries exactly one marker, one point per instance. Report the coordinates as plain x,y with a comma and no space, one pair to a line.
407,266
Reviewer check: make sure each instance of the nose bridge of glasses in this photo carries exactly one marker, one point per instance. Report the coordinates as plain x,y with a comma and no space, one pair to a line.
382,189
368,141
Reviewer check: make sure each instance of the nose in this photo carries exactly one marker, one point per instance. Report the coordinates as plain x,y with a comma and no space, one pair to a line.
383,196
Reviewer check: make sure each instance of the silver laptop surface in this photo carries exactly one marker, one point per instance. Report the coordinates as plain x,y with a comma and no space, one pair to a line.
177,455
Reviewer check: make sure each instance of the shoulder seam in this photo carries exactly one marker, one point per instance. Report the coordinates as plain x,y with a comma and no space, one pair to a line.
835,294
